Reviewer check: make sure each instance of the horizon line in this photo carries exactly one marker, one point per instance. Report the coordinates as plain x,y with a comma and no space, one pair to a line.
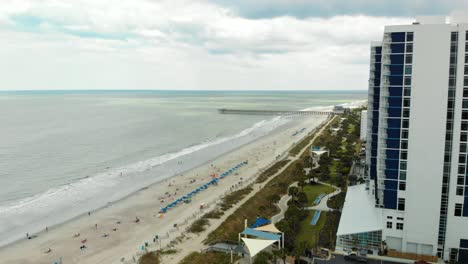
172,90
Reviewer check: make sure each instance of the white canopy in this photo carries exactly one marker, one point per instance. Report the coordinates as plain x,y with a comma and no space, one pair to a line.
319,152
271,228
359,212
256,245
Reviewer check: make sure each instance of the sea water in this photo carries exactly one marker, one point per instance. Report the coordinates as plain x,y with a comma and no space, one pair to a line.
63,153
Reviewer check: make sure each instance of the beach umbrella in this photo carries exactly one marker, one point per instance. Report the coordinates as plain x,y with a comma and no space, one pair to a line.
184,197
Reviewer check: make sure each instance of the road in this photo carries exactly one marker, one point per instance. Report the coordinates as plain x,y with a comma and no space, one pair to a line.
339,259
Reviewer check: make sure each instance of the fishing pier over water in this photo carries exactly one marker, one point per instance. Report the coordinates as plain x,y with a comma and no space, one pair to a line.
335,111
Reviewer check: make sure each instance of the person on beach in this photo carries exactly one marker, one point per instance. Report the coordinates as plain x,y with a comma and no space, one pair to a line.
46,229
49,250
95,226
27,235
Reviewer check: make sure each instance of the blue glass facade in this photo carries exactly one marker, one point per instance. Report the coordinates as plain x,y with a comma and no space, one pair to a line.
374,107
394,74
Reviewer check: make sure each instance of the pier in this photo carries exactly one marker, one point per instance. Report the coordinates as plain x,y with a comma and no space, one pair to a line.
275,112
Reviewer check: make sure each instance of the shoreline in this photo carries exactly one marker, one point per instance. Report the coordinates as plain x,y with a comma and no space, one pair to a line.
228,144
59,238
109,204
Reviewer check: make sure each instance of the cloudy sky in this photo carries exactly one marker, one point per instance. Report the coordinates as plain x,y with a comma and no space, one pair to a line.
196,44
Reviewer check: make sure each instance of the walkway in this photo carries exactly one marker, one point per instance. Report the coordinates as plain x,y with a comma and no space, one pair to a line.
323,205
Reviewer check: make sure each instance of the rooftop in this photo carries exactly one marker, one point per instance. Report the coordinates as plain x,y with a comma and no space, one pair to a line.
359,213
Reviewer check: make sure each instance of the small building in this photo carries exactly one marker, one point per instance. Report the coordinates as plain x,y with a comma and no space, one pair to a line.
316,152
339,109
363,132
360,225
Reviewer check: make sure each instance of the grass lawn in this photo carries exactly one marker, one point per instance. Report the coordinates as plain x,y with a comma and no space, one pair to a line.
333,172
309,233
312,191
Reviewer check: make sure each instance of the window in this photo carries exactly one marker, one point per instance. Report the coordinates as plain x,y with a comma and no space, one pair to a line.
399,226
461,180
462,159
466,58
389,225
404,155
402,165
464,125
403,175
401,204
465,92
402,186
389,217
466,68
465,104
409,59
405,123
462,147
407,91
460,190
464,114
452,71
404,144
466,46
451,82
400,218
409,36
454,36
458,209
409,48
453,59
463,136
408,69
461,169
406,112
453,48
404,134
406,102
407,80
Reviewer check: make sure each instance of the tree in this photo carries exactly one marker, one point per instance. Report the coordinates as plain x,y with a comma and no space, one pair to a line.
292,191
302,199
312,175
301,184
273,198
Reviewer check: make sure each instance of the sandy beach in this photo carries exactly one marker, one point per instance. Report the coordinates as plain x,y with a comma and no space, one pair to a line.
116,233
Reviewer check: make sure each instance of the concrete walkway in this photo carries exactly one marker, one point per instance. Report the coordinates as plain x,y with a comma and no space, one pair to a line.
283,206
323,206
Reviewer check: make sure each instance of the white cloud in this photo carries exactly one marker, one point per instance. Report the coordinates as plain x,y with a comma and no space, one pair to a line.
178,44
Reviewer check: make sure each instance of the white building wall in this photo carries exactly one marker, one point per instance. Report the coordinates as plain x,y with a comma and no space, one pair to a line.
363,133
457,227
427,133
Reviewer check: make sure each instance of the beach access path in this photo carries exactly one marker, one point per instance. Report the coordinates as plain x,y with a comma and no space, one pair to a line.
195,242
111,233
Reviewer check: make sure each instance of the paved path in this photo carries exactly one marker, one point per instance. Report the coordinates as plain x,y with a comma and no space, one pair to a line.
283,206
323,206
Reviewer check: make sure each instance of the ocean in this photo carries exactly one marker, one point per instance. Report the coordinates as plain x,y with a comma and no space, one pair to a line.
64,153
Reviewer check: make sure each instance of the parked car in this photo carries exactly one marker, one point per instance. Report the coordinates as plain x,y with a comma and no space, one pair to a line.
355,256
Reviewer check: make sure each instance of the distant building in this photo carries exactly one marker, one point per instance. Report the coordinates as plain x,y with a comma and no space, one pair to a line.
363,133
417,143
338,109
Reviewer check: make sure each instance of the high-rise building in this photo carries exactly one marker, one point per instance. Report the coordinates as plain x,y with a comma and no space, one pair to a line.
417,136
